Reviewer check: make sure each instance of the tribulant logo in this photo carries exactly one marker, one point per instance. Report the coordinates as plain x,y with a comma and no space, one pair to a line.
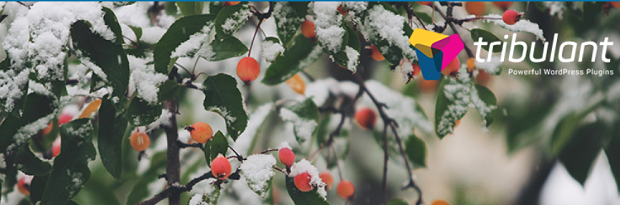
435,51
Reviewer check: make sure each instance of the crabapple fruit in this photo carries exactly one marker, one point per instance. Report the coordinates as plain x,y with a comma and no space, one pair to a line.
440,202
376,54
327,178
302,182
345,189
425,3
23,186
248,69
286,156
201,132
220,167
503,5
307,29
139,141
366,118
477,8
452,67
231,3
511,17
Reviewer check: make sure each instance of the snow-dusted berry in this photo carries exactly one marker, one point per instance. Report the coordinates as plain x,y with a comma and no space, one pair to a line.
220,167
345,189
302,182
511,17
248,69
307,29
200,132
139,141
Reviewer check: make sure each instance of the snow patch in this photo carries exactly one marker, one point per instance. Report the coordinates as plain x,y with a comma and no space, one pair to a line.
327,25
385,25
271,50
353,56
258,172
521,26
303,127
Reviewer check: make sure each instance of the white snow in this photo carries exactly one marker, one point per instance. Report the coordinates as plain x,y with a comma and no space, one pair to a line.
24,133
388,26
491,67
255,120
328,26
210,193
144,79
162,121
284,144
353,56
152,34
406,70
271,50
522,25
320,90
258,172
236,20
303,127
304,166
555,8
194,42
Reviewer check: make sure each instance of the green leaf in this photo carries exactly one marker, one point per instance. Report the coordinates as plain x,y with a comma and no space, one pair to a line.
156,167
168,90
231,18
289,16
300,55
207,151
70,171
108,56
215,7
398,202
303,198
142,113
225,47
136,31
30,164
441,105
580,152
486,37
110,137
37,187
352,41
110,20
424,17
489,99
223,97
179,32
613,156
189,8
304,116
38,107
568,124
415,148
219,145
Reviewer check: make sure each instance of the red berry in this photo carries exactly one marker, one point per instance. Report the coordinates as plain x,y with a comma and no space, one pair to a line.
345,189
327,178
64,118
287,157
220,167
452,67
307,29
248,69
366,118
23,186
416,69
425,3
56,147
231,3
343,10
139,141
511,17
201,132
302,182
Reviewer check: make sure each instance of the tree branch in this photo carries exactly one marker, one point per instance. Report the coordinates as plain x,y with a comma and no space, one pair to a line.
385,164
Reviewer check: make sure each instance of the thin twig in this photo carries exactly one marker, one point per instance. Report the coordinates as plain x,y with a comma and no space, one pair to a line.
449,21
385,163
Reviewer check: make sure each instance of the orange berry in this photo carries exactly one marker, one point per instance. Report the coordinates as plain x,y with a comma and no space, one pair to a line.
220,167
345,189
427,86
416,69
327,178
248,69
483,77
471,64
286,156
615,4
452,67
47,129
139,141
307,29
231,3
511,17
425,3
366,118
343,11
376,54
201,132
440,202
23,186
503,5
297,84
302,182
477,8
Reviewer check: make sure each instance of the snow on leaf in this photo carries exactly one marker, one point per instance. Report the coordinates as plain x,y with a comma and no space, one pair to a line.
328,26
400,108
287,20
353,58
195,42
388,26
209,197
522,25
144,79
258,172
491,67
303,127
271,50
235,20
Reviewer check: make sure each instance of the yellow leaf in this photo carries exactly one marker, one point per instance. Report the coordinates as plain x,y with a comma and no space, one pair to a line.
90,108
297,84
